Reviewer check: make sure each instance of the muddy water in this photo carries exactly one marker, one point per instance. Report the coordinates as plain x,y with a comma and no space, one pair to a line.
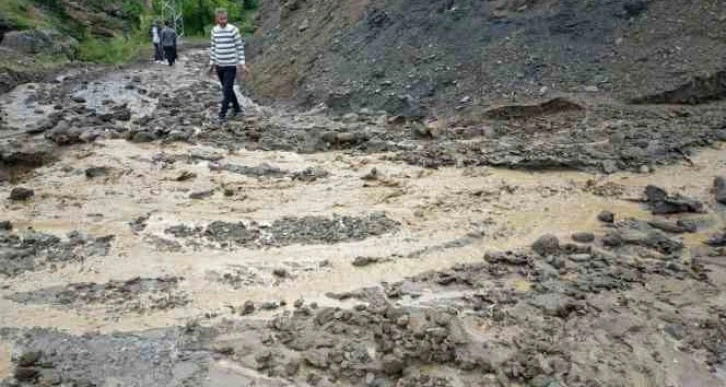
504,209
489,208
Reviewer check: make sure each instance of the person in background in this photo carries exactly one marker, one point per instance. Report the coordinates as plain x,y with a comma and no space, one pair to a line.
168,41
156,39
227,55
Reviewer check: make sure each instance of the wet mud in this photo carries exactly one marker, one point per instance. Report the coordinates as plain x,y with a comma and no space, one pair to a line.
30,251
137,295
574,242
284,232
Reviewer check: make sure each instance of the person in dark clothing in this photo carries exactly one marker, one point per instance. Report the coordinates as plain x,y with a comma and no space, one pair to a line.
168,41
227,56
156,39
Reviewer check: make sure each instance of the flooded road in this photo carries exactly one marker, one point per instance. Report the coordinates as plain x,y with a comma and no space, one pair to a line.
160,200
501,209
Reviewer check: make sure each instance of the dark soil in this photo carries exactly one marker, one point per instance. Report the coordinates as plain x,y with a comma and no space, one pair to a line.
32,251
455,54
286,231
137,295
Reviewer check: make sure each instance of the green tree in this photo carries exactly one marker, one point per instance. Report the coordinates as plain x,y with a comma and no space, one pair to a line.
199,14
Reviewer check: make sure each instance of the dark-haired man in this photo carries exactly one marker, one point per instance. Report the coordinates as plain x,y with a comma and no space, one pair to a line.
227,55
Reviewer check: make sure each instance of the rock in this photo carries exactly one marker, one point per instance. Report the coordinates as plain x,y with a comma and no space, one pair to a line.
186,175
555,305
201,194
62,126
583,237
365,261
4,176
654,193
546,245
78,98
21,194
719,188
653,239
403,321
248,308
317,358
228,192
580,257
350,118
27,153
140,137
41,126
177,136
717,240
30,358
269,305
206,155
122,114
591,89
606,217
372,175
634,8
41,41
280,273
405,106
292,367
661,203
49,377
26,374
6,225
310,174
675,228
543,381
392,365
93,172
610,167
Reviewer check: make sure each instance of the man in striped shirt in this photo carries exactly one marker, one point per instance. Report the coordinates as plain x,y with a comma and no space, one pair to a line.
227,54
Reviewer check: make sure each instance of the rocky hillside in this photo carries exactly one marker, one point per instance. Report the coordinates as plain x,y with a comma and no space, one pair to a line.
37,37
416,57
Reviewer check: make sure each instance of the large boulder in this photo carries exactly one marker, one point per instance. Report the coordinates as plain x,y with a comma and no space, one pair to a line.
41,41
719,188
5,26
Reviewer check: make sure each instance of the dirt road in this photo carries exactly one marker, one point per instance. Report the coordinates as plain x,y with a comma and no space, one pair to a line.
150,262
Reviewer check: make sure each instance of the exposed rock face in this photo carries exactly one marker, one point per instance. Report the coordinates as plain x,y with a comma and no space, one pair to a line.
41,42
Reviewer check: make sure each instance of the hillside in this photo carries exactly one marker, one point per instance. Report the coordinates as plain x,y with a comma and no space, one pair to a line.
456,53
39,36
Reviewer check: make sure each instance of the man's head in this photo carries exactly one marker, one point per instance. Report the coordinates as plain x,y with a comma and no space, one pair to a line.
221,17
168,23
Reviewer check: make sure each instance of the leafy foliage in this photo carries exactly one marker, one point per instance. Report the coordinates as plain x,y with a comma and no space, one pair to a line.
199,14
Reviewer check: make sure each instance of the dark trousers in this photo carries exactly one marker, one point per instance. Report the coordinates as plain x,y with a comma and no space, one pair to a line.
226,76
158,53
170,54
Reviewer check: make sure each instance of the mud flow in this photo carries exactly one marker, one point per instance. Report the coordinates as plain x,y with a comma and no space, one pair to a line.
564,242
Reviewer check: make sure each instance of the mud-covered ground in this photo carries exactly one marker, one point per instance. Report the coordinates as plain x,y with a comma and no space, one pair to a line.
574,242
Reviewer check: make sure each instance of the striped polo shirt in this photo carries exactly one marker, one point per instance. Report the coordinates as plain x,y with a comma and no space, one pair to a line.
227,48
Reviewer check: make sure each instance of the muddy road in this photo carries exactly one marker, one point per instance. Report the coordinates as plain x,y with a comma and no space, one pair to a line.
143,245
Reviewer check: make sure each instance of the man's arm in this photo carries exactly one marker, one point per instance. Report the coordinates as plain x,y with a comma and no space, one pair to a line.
240,49
212,52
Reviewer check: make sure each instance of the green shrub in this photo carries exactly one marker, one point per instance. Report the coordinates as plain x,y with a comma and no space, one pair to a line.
111,51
